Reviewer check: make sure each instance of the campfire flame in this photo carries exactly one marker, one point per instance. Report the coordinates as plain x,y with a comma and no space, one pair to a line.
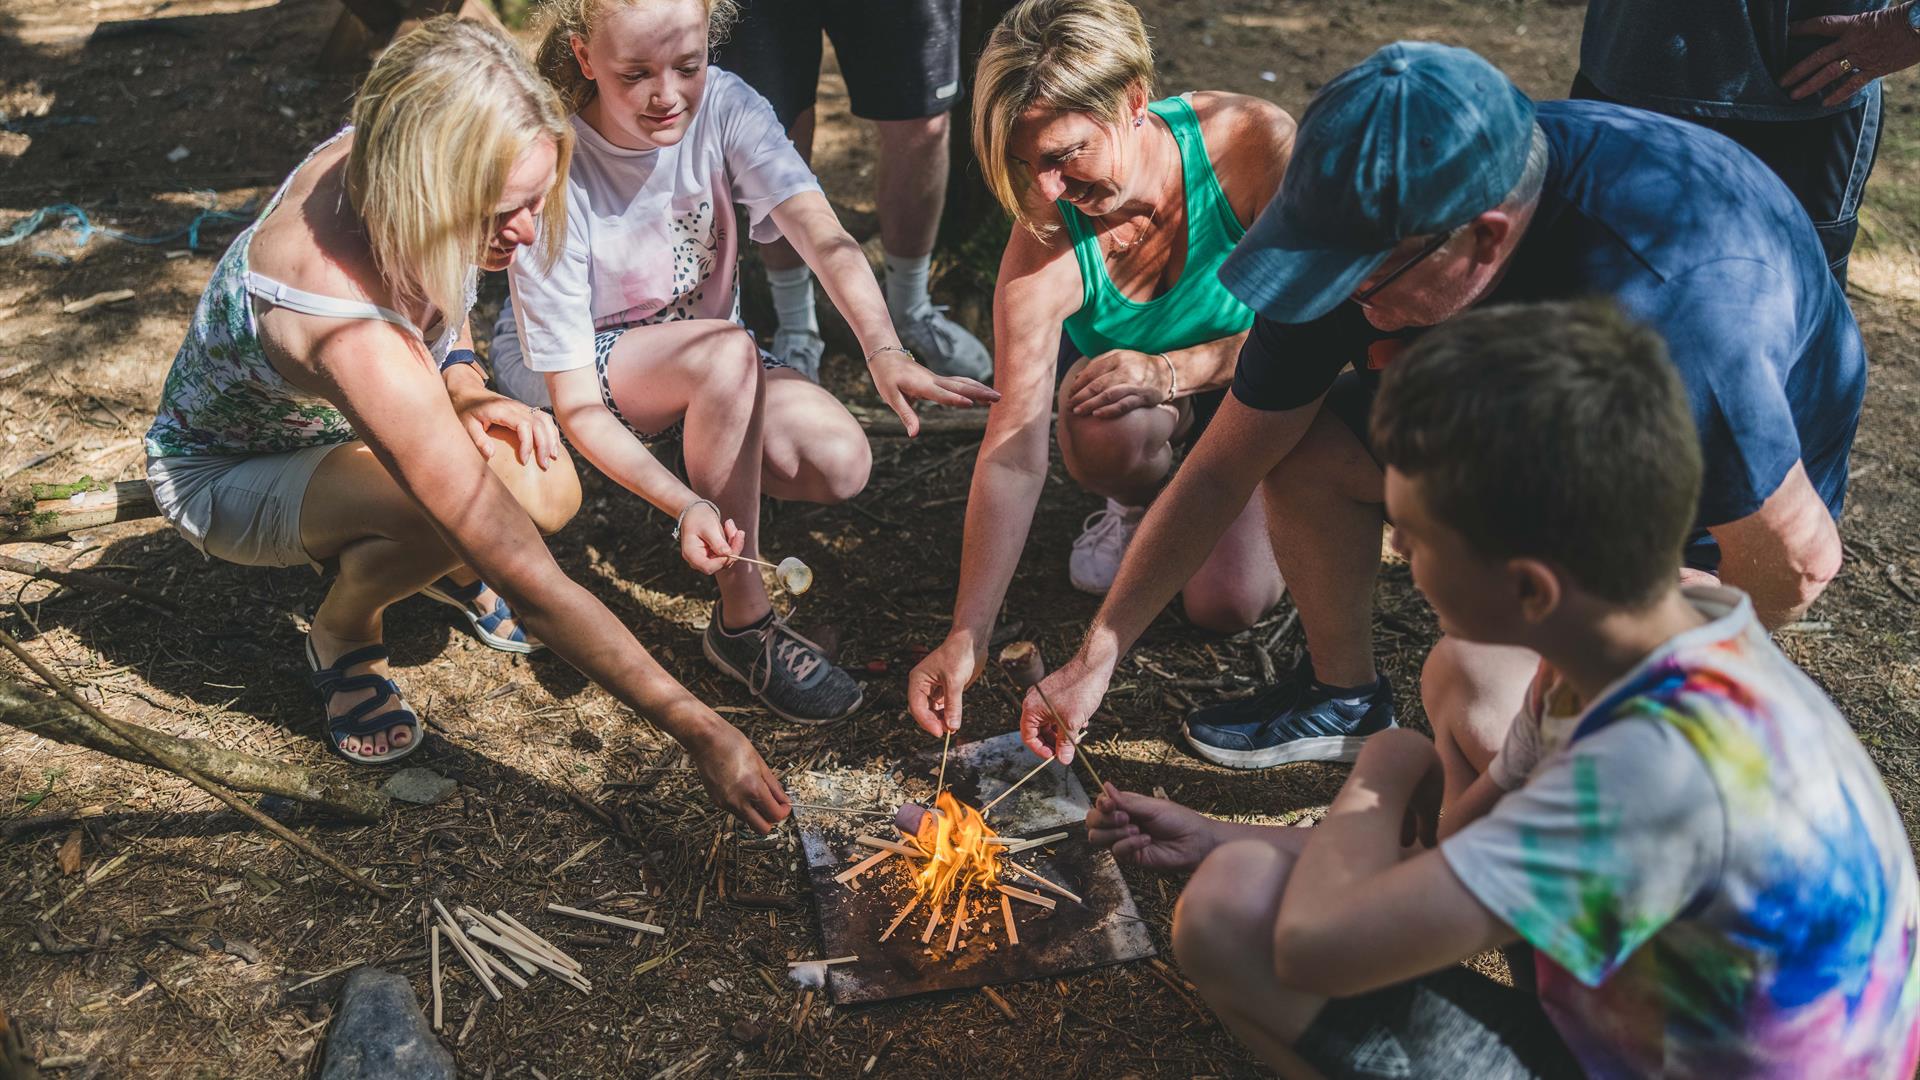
958,855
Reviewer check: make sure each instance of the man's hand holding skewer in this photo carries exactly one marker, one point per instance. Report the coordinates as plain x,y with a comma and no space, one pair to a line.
737,779
938,682
1055,714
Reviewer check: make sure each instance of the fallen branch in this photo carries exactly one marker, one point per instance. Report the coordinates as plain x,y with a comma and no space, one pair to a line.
883,422
63,722
85,581
150,747
49,511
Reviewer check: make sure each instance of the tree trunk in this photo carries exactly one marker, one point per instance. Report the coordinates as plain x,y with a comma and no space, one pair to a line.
62,722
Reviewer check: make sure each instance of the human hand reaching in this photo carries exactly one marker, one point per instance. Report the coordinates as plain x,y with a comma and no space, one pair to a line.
937,683
901,380
1154,834
738,780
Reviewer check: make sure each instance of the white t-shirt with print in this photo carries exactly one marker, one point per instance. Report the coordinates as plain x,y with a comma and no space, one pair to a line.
649,234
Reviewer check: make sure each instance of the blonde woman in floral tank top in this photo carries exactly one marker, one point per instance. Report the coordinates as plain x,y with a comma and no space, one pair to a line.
309,419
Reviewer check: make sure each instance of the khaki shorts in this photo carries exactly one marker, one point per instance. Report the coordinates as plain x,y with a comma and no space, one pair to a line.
239,508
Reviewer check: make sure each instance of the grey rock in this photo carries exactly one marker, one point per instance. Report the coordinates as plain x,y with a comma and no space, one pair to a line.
421,786
380,1034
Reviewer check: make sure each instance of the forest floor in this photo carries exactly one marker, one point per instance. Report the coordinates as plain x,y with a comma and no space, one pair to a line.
144,112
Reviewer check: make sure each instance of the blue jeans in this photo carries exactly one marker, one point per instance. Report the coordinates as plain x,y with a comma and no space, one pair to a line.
1824,162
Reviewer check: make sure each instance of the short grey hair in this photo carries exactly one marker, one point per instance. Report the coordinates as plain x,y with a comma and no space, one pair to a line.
1533,176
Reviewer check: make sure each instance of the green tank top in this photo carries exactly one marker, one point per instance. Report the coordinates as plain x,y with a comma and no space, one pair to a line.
1198,308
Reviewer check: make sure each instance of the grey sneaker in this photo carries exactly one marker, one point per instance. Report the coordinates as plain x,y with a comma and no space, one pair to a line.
799,350
789,674
943,345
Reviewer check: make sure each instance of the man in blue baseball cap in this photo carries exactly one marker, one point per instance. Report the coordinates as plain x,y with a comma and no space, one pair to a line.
1423,183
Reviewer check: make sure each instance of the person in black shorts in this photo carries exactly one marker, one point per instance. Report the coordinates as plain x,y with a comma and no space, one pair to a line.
901,63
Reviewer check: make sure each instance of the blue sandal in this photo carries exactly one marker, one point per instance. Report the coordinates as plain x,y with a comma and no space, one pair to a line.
370,717
484,626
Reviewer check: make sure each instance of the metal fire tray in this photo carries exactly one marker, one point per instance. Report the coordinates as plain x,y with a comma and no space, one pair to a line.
1071,937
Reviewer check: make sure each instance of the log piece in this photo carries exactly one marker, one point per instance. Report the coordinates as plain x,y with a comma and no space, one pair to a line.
61,721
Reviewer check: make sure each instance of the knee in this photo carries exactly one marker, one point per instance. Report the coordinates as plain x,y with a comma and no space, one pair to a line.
1440,678
550,496
843,461
1097,452
1225,918
1221,610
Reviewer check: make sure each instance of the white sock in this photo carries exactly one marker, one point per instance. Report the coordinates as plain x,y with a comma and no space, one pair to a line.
793,298
906,284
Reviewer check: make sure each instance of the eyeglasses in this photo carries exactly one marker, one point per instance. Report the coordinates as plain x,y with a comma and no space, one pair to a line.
1422,255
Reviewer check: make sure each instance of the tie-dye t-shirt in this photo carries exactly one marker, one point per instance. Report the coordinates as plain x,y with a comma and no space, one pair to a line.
1711,872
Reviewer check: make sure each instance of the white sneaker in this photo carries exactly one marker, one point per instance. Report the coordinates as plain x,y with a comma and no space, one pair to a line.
944,345
1102,544
800,350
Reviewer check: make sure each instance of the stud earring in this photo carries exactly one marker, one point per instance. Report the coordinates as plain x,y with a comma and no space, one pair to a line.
1138,120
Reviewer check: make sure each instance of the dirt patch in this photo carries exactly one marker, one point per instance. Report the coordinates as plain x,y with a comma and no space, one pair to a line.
131,962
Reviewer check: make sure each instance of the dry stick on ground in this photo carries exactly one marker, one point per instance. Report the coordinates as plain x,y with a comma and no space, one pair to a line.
84,581
49,511
433,938
150,748
900,918
62,722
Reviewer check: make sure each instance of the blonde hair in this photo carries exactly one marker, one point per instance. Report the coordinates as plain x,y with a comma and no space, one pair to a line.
1070,56
437,127
560,21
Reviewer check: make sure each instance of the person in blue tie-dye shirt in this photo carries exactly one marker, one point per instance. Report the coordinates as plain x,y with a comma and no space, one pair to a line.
1711,876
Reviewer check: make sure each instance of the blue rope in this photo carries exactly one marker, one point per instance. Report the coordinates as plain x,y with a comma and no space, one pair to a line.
85,228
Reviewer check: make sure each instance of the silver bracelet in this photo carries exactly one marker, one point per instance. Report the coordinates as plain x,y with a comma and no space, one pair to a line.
1173,380
682,519
908,353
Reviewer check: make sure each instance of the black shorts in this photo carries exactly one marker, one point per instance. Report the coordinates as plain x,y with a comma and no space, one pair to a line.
1825,162
1204,404
900,58
1455,1022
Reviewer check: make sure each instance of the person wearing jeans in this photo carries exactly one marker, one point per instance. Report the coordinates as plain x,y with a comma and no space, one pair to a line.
1803,96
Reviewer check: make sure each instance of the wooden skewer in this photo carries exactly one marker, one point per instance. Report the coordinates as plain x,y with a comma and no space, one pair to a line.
535,939
1038,841
900,918
883,844
927,934
610,920
840,809
518,951
1006,912
1042,882
499,967
433,939
1053,714
756,562
863,866
466,950
1031,898
940,784
823,963
483,921
1044,762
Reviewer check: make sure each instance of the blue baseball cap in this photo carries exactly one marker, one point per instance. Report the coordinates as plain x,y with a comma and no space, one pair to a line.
1415,140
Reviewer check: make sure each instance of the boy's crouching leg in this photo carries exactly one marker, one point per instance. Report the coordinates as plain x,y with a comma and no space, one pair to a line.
1223,932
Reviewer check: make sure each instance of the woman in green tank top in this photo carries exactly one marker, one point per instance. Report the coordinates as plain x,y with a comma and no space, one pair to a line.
1108,305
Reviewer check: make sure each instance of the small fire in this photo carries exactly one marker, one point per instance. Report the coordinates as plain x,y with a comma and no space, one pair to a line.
958,855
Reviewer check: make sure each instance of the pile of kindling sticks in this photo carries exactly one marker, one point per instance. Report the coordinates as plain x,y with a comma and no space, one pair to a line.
469,933
884,849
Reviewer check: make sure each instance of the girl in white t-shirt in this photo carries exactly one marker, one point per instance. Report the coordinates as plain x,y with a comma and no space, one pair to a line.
635,331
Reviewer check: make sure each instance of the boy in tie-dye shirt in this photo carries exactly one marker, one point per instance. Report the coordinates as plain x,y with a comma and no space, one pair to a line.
1712,878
